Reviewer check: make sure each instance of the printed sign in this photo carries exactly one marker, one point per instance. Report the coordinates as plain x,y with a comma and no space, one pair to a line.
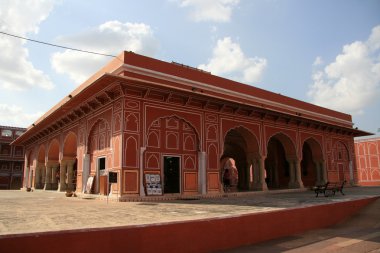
153,184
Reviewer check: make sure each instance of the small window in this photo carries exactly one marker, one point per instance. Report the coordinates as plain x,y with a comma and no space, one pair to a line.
102,165
6,133
18,151
5,149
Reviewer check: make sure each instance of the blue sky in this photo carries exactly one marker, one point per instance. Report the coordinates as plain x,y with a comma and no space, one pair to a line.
324,52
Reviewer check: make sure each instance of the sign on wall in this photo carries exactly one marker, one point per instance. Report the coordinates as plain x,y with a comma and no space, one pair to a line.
112,177
90,180
153,184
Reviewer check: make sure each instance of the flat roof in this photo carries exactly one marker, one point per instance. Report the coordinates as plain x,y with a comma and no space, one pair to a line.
132,66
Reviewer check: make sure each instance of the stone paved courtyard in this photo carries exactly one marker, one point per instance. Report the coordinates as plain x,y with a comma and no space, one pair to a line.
25,212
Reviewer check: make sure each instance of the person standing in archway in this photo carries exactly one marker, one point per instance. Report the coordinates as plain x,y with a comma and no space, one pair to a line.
230,176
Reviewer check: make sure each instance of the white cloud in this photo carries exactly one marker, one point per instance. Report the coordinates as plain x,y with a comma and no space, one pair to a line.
229,60
12,115
21,17
318,61
109,38
210,10
352,81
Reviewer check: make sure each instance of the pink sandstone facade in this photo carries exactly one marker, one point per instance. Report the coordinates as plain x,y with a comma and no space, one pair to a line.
367,152
166,128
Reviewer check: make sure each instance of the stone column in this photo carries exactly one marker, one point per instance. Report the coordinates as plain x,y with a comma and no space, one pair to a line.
250,168
256,172
62,177
202,182
351,170
261,184
298,182
70,176
30,180
54,180
142,190
86,171
48,177
318,169
26,177
37,179
42,169
292,174
324,172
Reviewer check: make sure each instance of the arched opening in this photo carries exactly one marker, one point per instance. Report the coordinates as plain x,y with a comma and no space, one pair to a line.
311,164
241,146
172,152
98,146
51,181
342,158
40,172
68,175
281,153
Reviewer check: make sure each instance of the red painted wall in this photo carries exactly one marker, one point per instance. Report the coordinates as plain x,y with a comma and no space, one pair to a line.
368,161
189,236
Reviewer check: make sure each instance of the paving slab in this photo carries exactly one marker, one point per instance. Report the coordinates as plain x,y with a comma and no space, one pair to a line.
39,211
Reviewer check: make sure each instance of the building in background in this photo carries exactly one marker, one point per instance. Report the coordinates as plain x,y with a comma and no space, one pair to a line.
156,127
11,158
368,161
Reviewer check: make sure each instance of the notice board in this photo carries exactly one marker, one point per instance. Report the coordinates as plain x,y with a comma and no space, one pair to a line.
153,184
112,177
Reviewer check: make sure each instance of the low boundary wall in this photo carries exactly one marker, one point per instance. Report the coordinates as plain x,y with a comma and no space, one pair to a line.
206,235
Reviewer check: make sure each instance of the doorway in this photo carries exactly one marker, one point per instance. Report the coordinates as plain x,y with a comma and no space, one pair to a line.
171,174
100,177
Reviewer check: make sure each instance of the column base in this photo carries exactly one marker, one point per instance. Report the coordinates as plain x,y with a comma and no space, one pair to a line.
70,187
47,186
295,185
258,186
62,187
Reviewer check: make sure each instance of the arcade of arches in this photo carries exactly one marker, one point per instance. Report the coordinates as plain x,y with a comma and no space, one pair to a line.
52,171
280,168
276,165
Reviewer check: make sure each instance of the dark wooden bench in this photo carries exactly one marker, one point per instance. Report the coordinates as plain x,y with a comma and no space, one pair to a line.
320,189
329,189
338,187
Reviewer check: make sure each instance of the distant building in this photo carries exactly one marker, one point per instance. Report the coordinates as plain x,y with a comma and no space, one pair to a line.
11,158
167,128
368,161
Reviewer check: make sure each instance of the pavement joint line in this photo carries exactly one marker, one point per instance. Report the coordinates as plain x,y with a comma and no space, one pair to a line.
358,240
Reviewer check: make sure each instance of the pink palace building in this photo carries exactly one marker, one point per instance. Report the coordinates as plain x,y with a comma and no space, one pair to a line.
156,128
